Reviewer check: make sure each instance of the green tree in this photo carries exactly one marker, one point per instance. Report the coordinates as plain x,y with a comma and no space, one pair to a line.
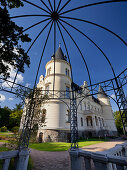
118,122
11,51
18,107
15,116
4,116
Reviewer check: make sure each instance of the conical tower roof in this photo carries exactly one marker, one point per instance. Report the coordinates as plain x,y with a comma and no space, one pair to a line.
101,91
59,55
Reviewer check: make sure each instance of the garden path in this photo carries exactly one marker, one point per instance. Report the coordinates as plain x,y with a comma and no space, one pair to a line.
60,160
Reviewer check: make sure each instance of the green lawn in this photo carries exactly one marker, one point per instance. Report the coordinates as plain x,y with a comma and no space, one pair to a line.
6,134
4,141
2,149
61,146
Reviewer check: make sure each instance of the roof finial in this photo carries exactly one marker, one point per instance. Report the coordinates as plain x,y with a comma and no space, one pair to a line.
59,44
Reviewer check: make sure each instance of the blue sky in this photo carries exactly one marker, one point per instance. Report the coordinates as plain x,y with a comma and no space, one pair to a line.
113,16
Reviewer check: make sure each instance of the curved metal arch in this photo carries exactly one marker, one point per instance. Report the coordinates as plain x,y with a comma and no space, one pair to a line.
45,5
36,6
94,44
93,4
66,50
97,93
30,48
64,6
54,53
89,22
35,24
79,52
34,15
50,5
42,54
58,5
61,101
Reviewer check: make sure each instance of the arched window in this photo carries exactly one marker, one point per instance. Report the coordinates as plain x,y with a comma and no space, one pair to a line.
88,106
48,71
66,72
103,124
67,92
47,89
81,121
43,115
85,106
68,116
81,106
89,121
96,120
100,121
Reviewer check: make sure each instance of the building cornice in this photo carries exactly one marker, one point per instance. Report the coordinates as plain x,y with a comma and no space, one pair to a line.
59,61
57,74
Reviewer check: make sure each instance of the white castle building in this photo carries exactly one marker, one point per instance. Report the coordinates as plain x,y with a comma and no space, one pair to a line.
95,116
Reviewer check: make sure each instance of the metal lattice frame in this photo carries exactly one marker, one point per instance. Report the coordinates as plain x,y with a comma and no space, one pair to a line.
54,14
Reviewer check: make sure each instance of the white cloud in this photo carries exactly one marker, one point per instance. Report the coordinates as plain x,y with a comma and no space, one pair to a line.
27,84
2,98
10,99
113,96
19,78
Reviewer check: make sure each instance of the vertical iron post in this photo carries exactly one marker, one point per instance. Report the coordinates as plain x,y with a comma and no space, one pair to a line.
74,123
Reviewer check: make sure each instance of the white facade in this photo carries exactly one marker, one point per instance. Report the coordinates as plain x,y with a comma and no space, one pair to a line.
95,116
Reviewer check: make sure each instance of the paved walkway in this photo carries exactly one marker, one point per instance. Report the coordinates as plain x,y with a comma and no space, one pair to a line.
102,146
60,160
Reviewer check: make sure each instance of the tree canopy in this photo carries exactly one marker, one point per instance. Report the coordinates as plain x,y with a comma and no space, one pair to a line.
4,116
11,52
118,122
11,117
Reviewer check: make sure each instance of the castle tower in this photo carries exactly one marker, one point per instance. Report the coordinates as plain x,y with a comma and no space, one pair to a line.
107,111
56,111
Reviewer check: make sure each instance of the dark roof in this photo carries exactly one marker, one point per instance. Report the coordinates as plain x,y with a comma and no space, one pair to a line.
101,91
95,100
59,55
77,87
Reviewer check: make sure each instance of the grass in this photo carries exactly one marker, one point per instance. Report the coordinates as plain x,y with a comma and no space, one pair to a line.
4,141
61,146
3,148
6,134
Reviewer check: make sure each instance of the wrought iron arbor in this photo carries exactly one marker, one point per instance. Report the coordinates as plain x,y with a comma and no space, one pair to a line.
54,14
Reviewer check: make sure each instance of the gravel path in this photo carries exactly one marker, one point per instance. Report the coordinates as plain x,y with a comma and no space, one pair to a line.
60,160
50,160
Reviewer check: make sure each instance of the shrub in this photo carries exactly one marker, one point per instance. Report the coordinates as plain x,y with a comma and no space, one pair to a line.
15,129
4,129
0,129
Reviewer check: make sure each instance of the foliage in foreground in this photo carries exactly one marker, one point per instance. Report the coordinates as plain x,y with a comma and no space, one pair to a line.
12,55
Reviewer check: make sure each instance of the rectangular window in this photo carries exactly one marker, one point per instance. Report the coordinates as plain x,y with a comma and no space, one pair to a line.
84,106
80,106
67,92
